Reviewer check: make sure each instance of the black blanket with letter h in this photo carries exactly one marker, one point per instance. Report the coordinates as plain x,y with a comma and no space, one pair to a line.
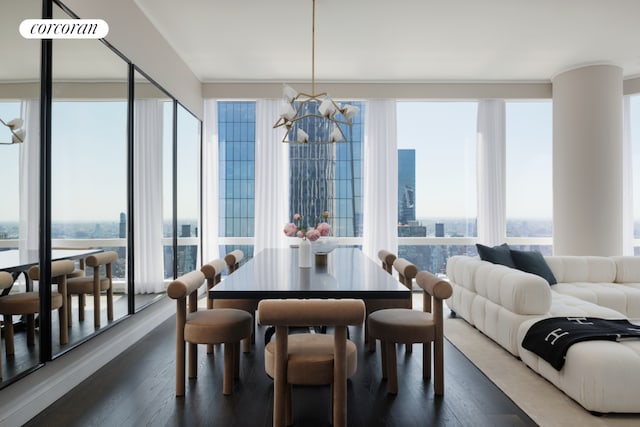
551,338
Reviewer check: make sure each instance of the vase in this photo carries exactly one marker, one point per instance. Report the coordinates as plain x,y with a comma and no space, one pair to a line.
304,254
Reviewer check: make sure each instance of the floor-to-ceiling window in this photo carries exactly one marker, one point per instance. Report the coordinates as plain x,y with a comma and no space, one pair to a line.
236,161
634,135
436,181
529,189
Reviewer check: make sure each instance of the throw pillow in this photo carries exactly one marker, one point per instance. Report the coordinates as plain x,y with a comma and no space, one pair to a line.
498,254
533,262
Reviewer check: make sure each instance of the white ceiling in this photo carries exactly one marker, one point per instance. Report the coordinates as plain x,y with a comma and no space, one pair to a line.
400,40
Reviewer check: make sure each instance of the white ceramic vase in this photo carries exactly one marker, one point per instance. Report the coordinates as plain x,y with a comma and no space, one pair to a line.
304,254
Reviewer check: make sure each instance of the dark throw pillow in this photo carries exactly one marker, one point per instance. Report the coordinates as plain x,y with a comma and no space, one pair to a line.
533,262
498,254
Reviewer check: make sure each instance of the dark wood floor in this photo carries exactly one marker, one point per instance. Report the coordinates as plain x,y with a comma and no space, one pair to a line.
138,389
27,357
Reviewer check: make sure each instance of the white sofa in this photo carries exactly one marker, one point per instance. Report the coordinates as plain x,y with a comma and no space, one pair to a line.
503,303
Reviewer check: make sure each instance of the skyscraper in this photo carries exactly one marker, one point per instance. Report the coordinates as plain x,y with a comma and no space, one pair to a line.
406,186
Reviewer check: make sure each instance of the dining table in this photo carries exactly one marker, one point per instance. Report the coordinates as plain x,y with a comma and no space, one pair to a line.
275,273
19,261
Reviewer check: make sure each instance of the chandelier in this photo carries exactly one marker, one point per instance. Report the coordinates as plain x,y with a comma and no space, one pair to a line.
315,118
17,133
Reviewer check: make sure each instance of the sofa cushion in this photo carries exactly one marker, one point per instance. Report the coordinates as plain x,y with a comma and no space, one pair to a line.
500,254
533,262
627,269
568,269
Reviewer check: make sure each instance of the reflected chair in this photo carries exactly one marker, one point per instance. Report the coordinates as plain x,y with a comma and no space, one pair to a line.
28,304
409,271
398,325
212,272
219,325
94,285
310,359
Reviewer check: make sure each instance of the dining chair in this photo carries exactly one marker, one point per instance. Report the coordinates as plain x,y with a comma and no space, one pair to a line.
310,359
226,326
405,277
28,304
397,325
232,261
94,285
213,273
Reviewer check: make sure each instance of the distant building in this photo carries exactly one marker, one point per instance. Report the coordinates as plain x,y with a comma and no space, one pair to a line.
439,229
123,225
406,186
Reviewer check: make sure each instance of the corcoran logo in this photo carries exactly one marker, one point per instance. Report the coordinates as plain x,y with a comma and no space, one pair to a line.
64,29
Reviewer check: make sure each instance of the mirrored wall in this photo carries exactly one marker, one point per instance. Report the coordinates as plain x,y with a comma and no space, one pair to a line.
124,199
19,99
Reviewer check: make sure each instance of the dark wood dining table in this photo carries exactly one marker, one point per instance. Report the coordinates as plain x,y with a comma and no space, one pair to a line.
274,273
16,261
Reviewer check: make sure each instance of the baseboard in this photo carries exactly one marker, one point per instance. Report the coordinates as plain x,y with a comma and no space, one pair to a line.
26,398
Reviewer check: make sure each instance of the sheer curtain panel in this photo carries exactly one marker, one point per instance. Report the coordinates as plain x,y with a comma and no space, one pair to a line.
627,180
380,164
491,172
147,214
272,179
29,176
210,248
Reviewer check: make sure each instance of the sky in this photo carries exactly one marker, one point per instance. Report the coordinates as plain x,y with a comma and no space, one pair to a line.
444,137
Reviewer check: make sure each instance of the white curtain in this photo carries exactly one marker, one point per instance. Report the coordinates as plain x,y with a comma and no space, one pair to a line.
627,180
210,247
491,172
380,176
29,181
147,218
271,179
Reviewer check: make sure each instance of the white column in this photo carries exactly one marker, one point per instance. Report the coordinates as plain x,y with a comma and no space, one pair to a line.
587,161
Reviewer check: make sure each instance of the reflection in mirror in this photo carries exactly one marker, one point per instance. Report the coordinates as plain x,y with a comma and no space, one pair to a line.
188,191
153,158
19,194
89,180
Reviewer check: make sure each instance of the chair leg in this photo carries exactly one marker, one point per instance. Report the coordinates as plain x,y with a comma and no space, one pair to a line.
81,307
68,308
209,348
110,304
31,330
96,309
392,370
426,360
227,376
180,350
438,367
383,358
408,348
8,335
193,360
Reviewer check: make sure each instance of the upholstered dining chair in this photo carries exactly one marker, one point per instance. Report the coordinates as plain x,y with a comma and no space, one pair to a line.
406,273
310,359
399,325
28,303
213,272
219,325
94,285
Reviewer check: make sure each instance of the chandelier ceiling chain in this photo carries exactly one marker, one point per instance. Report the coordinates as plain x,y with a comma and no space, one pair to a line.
314,118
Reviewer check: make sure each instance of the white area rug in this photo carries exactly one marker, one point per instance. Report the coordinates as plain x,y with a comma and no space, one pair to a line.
541,400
